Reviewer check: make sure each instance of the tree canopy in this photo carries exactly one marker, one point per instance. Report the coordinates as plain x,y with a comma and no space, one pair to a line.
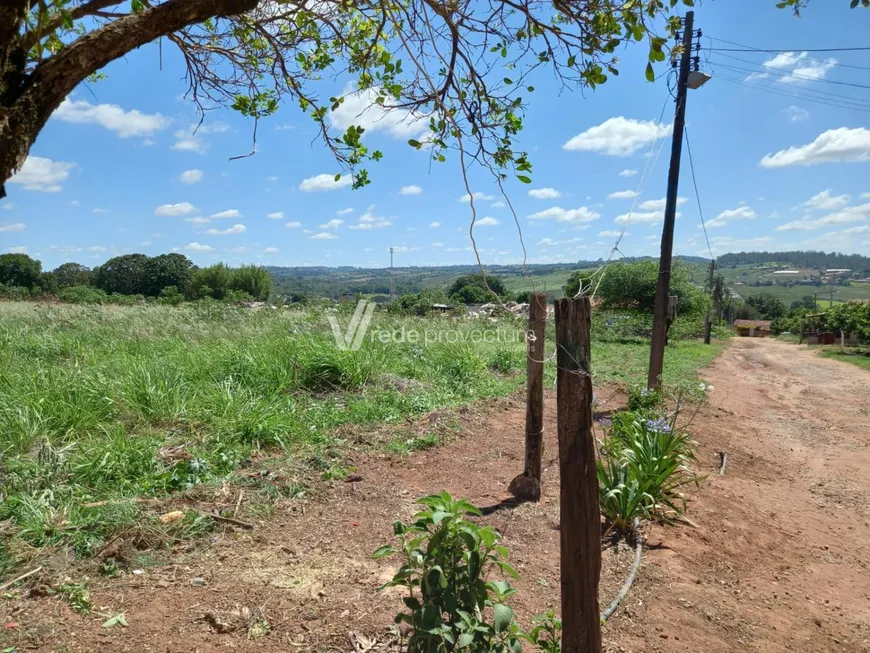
632,286
461,68
473,289
19,270
767,305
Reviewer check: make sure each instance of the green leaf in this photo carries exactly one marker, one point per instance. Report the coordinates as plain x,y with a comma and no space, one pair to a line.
337,177
650,73
431,616
571,61
502,616
383,552
415,144
117,620
466,639
853,4
524,179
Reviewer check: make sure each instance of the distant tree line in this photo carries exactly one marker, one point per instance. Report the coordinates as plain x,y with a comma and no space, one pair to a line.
170,277
799,259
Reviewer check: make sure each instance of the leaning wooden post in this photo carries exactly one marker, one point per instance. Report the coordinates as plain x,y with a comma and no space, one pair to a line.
527,486
803,327
580,518
708,328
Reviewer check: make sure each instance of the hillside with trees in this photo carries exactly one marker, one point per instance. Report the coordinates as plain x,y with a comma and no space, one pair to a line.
800,259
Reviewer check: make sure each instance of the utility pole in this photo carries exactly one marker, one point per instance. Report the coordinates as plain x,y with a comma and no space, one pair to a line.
708,324
391,274
663,284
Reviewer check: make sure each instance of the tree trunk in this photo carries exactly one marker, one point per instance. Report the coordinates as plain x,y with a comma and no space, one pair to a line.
27,101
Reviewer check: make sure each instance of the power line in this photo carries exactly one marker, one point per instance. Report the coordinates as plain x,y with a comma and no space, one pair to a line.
768,66
697,195
787,50
807,98
851,98
803,78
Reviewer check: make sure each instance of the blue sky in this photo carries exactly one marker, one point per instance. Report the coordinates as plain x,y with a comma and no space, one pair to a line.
118,169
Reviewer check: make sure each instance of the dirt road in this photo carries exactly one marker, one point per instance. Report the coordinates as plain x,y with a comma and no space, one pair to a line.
778,562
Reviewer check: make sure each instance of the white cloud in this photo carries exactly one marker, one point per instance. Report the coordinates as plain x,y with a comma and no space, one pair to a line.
795,113
618,136
98,210
191,139
797,68
557,213
197,247
230,231
229,213
413,189
97,248
197,220
359,108
646,217
841,145
293,225
729,244
434,225
477,196
324,235
740,213
110,116
324,182
189,145
659,205
271,250
545,193
276,215
191,176
285,126
335,223
344,211
16,250
9,206
42,174
497,205
824,201
610,234
628,172
18,226
849,214
486,222
865,196
182,208
437,244
369,220
623,195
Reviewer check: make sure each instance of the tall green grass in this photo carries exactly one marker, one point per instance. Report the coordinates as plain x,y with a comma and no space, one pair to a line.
107,403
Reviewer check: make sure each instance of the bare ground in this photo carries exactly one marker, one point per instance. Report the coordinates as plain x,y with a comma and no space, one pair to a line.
778,561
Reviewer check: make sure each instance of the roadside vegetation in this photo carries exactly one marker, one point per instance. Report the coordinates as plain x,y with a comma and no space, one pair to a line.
105,408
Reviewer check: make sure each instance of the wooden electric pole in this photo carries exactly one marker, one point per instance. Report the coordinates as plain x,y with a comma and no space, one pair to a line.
663,284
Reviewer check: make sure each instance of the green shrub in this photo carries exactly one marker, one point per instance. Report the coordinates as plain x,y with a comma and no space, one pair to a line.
645,400
82,295
170,295
14,292
450,603
643,467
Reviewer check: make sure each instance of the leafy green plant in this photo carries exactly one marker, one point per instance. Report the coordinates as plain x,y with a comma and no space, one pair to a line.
78,597
642,399
546,632
643,467
450,604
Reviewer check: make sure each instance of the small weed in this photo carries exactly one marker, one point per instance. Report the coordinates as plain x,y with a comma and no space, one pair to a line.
78,597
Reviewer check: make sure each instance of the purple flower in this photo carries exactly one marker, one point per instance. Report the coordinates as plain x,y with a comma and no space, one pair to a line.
659,425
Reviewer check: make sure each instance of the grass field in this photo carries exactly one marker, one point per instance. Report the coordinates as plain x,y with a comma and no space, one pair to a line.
103,405
859,356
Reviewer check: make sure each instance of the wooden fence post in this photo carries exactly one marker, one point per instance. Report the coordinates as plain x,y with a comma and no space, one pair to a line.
580,518
527,486
708,327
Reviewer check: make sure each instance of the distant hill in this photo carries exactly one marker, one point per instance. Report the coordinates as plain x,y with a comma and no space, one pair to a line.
335,282
800,259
